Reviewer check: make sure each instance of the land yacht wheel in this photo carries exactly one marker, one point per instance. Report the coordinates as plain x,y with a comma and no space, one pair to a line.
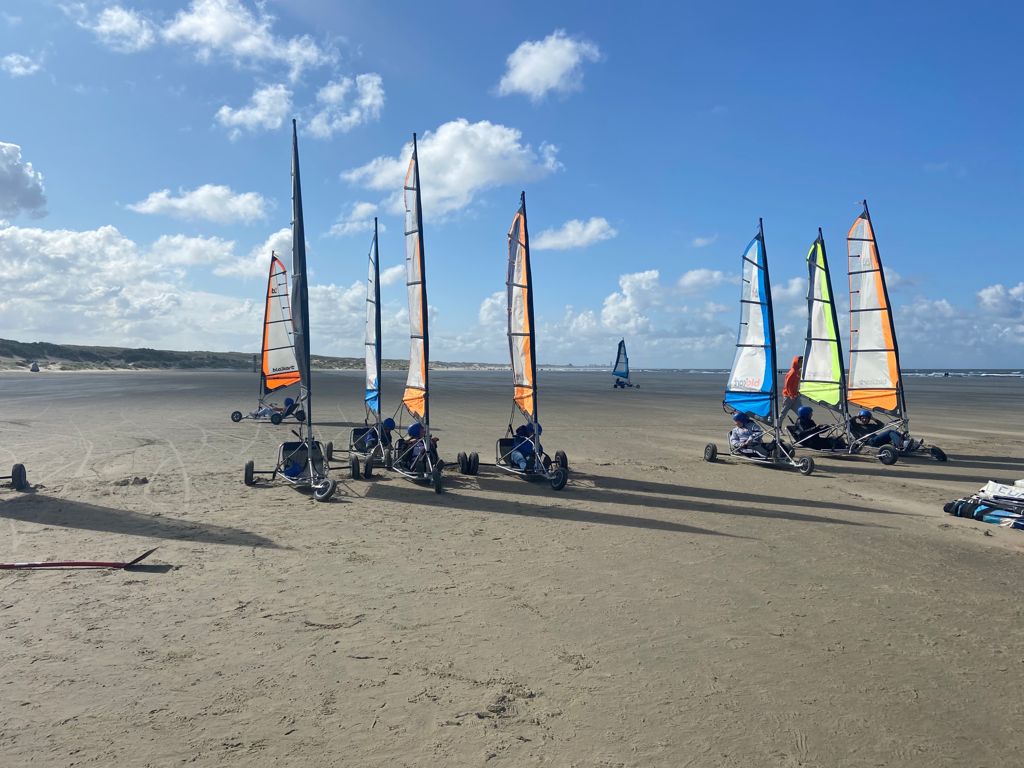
275,418
300,416
805,465
559,478
562,459
368,467
474,463
887,455
325,490
463,461
248,478
436,480
710,452
937,453
329,451
19,479
353,465
236,416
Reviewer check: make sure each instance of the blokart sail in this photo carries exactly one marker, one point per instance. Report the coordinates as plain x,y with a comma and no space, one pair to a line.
416,457
278,366
751,388
822,379
371,444
621,368
520,451
875,377
301,463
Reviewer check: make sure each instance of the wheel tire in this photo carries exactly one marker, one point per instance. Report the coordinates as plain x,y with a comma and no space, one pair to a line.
887,455
562,460
19,479
474,463
300,416
329,451
275,418
249,479
368,467
805,465
710,452
436,480
353,465
236,416
561,477
937,453
463,461
325,490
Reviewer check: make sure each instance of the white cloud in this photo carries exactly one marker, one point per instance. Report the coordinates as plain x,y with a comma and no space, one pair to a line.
457,161
21,186
267,109
393,275
791,290
1002,301
625,311
574,234
210,202
338,113
122,30
229,28
11,19
19,65
700,280
337,316
555,63
358,219
703,242
257,263
180,250
494,310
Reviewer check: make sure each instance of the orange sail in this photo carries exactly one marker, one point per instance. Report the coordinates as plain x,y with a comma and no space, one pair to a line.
415,396
279,368
520,315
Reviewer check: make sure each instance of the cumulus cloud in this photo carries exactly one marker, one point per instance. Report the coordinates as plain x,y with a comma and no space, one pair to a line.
700,280
393,275
180,250
703,242
339,113
790,290
555,63
358,219
257,263
457,161
19,65
267,109
228,28
21,186
494,309
574,234
626,309
122,29
1002,301
210,202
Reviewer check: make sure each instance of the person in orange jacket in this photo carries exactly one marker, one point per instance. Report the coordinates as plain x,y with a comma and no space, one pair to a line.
791,387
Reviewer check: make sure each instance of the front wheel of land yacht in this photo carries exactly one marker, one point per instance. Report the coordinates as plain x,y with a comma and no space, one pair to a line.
329,451
353,465
463,461
275,419
474,463
937,453
300,416
368,467
236,416
887,455
805,465
436,480
559,478
248,478
324,491
19,478
562,459
710,452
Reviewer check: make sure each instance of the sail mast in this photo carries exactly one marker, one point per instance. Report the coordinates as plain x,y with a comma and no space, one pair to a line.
300,288
773,365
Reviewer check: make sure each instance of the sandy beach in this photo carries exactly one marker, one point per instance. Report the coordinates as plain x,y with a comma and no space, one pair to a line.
660,611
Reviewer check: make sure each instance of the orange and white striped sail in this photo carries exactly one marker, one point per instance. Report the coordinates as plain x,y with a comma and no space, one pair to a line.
279,366
415,397
520,315
874,377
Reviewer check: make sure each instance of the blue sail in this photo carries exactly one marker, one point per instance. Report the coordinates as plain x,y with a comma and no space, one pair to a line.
751,386
621,369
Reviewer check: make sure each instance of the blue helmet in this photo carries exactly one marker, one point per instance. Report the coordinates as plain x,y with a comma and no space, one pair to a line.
288,402
864,413
740,417
415,430
388,424
804,411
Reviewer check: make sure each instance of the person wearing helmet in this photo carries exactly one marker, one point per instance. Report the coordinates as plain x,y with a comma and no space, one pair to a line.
810,435
873,432
748,438
523,449
417,453
369,439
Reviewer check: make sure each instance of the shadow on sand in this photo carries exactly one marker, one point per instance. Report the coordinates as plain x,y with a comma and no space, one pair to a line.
46,510
939,473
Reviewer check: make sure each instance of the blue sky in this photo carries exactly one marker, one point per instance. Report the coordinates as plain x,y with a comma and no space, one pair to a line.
144,168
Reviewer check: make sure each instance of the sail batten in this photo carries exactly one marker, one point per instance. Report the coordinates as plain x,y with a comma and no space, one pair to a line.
415,398
751,385
875,380
372,342
822,377
521,330
278,367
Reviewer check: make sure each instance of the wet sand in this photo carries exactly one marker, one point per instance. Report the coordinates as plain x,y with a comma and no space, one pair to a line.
660,611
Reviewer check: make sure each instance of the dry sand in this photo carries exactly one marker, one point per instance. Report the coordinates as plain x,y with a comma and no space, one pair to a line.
659,611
